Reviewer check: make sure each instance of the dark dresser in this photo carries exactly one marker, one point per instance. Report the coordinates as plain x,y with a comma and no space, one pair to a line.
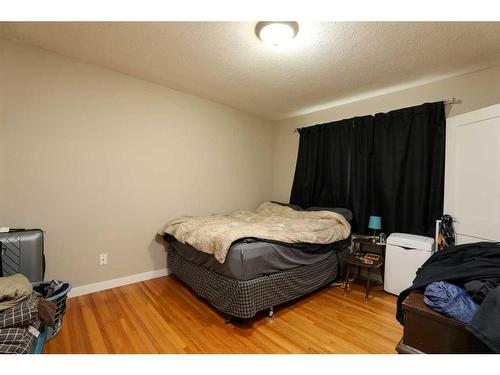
426,331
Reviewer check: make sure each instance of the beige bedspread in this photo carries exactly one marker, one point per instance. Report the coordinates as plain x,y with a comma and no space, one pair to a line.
214,234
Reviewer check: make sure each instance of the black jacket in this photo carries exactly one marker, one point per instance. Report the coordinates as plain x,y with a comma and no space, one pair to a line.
459,265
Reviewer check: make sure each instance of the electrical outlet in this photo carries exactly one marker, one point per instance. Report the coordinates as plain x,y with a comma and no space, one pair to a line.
103,259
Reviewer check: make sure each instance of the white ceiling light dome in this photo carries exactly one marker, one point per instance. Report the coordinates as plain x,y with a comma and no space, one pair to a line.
277,33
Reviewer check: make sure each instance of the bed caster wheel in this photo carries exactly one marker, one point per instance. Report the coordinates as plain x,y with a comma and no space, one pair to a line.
271,312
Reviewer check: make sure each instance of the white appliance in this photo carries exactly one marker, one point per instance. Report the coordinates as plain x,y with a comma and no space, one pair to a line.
404,254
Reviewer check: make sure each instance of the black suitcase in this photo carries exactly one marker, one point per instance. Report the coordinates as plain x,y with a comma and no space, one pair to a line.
22,252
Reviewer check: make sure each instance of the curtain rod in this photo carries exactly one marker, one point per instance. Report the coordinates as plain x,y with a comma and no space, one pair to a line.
445,101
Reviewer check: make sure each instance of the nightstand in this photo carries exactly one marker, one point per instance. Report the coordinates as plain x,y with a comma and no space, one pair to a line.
352,260
363,245
366,245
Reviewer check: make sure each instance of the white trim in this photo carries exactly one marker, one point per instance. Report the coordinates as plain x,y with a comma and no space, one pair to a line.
108,284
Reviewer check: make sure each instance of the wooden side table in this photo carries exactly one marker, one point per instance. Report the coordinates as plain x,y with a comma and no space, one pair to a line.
352,260
362,244
366,245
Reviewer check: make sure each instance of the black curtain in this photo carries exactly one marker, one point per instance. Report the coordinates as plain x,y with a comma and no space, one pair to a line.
361,193
390,164
409,161
322,169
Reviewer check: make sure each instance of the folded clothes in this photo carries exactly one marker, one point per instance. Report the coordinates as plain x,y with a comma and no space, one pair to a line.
13,290
450,300
18,340
22,314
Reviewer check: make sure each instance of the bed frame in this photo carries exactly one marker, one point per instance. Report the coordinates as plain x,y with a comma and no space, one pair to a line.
245,298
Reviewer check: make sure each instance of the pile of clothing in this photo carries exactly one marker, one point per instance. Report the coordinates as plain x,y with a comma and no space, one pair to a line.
22,311
463,282
451,301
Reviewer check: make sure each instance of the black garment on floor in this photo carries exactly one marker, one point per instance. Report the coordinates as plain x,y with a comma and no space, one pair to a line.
459,265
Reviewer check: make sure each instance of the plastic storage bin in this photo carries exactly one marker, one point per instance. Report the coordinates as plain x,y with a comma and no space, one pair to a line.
38,344
59,298
404,254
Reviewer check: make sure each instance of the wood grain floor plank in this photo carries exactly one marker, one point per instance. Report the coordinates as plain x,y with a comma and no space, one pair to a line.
164,316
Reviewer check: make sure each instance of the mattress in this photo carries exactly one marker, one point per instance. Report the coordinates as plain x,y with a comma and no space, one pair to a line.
250,258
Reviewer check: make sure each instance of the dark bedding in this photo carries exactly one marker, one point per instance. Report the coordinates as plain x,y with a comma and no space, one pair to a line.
250,258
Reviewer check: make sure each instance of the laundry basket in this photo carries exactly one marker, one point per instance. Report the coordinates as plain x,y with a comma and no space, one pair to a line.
39,342
59,298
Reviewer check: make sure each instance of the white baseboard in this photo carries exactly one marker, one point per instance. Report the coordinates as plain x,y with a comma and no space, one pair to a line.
108,284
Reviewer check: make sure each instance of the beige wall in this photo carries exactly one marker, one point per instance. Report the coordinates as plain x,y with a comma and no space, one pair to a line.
101,160
476,90
2,149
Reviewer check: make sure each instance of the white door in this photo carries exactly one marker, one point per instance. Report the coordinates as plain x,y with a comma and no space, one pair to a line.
472,174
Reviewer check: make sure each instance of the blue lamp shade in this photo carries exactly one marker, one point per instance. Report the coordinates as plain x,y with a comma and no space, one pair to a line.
375,223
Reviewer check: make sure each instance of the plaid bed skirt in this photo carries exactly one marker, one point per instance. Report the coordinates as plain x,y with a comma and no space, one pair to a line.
244,298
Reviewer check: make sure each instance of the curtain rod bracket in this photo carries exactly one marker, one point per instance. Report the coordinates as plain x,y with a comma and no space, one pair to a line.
452,101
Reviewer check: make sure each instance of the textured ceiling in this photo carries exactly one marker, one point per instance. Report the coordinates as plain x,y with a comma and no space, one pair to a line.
328,62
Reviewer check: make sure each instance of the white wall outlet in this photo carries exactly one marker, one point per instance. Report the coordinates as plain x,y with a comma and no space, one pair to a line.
103,259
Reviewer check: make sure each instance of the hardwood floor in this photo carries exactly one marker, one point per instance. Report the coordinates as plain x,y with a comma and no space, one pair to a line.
164,316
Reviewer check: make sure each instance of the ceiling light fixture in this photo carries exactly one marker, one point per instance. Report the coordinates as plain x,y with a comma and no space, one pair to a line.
276,33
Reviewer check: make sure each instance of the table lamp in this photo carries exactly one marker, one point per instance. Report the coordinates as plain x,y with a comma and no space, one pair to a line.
375,223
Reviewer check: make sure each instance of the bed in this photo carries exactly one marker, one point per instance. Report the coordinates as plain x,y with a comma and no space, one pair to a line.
257,274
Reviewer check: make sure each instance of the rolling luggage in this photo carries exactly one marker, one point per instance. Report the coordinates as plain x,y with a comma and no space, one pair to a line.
22,252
